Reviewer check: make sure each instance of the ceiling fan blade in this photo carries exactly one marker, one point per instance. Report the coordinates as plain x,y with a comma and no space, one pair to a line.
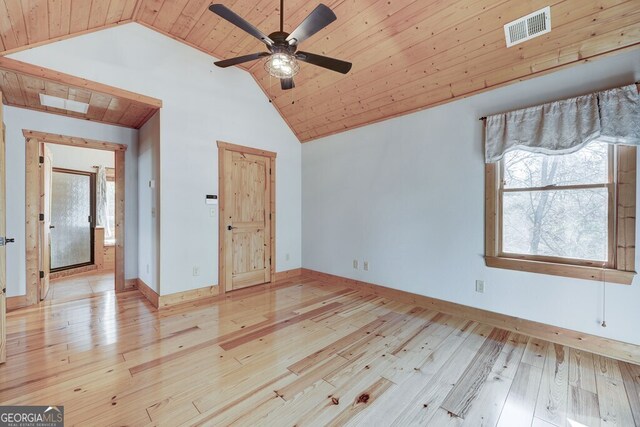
287,84
325,62
240,59
239,22
319,18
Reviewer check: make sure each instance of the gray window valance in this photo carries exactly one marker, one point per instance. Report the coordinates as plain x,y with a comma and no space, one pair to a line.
565,126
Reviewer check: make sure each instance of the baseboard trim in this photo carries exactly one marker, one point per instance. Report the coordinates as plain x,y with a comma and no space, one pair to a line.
14,303
287,274
599,345
151,295
72,271
130,284
207,292
188,296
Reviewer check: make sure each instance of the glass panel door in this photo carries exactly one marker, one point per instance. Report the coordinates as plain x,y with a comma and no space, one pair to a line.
71,219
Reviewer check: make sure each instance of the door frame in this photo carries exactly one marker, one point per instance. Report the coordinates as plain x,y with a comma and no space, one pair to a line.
92,214
33,192
225,146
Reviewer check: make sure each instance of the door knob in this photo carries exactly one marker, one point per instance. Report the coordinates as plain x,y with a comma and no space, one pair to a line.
9,240
52,226
230,227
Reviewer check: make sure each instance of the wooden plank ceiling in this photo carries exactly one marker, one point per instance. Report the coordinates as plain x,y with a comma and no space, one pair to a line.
21,84
407,54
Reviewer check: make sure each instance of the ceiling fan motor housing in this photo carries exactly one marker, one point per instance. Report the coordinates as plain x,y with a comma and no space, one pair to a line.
280,43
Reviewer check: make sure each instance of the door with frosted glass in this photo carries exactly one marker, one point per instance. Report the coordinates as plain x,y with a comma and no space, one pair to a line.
72,214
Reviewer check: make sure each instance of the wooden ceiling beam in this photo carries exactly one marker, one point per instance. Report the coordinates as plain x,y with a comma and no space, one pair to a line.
67,79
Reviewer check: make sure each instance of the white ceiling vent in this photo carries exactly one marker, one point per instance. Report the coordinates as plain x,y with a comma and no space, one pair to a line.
528,27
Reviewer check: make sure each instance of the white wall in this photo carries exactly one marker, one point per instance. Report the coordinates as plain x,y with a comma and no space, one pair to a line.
407,195
80,158
148,197
202,104
17,119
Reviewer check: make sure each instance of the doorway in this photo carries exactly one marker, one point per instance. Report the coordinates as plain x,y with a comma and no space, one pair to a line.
75,216
246,183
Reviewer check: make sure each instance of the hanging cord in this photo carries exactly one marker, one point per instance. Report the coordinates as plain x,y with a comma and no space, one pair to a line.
604,298
604,289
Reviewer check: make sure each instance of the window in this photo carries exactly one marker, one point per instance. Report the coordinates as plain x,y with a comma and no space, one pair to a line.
569,215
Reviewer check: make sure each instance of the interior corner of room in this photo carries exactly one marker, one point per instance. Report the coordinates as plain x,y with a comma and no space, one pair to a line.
325,219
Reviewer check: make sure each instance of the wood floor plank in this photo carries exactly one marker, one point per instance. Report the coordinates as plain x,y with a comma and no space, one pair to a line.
537,422
614,405
631,378
581,370
260,396
607,367
410,375
520,406
486,407
351,394
308,362
536,352
465,391
583,407
551,405
304,352
510,357
427,401
333,363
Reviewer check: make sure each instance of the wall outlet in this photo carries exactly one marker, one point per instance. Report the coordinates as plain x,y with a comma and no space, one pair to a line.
196,271
365,265
480,286
355,264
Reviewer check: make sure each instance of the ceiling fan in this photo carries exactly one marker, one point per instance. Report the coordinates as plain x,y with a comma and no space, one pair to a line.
283,47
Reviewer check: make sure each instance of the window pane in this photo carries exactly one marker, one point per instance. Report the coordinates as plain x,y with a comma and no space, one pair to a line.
589,165
559,223
70,213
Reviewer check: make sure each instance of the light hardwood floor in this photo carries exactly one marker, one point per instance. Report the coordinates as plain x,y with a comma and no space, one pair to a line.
304,353
81,285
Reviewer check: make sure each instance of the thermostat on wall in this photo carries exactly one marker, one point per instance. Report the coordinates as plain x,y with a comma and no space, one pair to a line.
211,199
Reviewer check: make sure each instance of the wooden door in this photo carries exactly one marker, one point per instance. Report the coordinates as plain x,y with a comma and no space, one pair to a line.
45,226
246,220
3,253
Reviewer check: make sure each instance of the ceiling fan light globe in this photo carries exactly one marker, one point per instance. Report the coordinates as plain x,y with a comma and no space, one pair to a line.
282,65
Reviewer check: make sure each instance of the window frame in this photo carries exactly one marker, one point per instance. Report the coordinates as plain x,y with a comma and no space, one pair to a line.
621,187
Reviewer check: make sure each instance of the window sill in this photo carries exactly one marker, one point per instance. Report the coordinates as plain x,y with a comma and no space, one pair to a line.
566,270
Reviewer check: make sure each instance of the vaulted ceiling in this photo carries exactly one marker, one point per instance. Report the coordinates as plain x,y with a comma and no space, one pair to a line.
407,54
